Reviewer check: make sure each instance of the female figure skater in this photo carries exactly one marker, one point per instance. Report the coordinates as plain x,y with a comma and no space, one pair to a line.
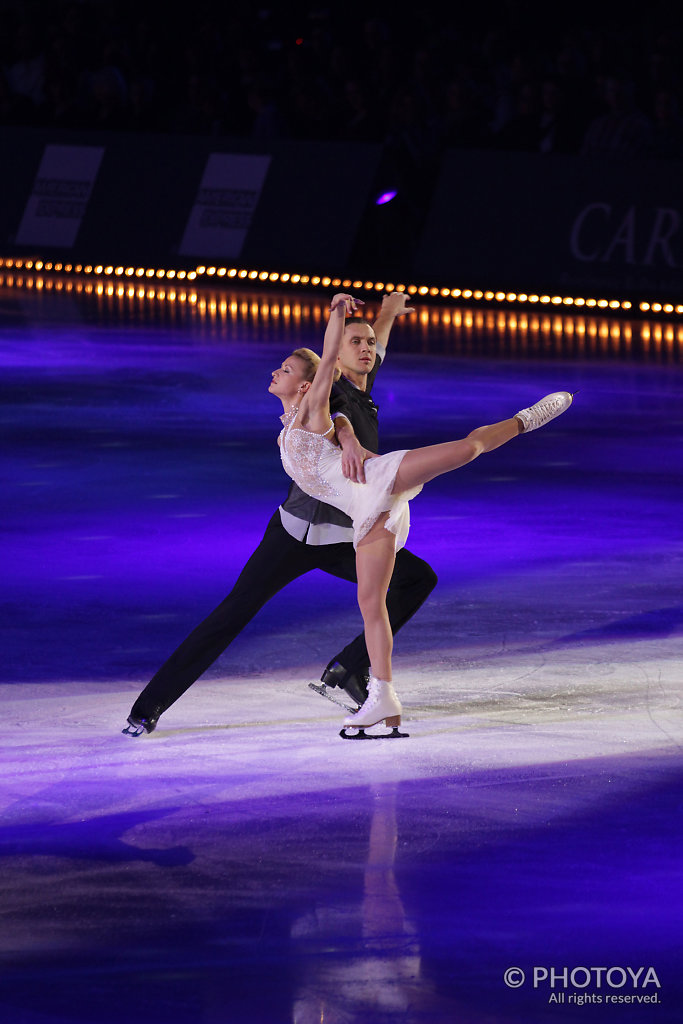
378,507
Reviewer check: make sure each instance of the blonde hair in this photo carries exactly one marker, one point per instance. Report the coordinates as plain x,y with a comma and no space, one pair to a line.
311,360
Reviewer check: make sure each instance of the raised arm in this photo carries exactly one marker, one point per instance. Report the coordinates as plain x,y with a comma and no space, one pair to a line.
393,306
318,395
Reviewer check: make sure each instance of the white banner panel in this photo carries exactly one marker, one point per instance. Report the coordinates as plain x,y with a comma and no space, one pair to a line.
228,195
60,195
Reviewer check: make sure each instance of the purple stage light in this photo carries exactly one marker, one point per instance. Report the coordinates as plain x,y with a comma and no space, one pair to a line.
385,197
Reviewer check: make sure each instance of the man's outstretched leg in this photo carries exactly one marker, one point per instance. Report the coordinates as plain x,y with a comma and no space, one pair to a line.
277,561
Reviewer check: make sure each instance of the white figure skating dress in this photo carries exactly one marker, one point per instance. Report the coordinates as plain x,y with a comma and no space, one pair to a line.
314,463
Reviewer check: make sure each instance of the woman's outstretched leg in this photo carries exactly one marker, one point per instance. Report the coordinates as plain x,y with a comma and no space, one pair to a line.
421,465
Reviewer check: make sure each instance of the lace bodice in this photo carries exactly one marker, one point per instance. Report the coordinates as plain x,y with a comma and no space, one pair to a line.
306,459
314,462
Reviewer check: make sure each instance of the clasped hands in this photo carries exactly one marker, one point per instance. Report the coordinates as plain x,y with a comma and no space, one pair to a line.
349,303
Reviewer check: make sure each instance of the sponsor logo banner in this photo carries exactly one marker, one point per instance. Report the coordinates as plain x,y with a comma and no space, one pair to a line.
60,195
223,209
566,222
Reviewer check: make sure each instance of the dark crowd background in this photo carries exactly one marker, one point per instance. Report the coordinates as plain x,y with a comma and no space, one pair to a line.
585,78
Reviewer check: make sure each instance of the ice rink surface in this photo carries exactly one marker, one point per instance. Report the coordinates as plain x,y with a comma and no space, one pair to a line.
517,859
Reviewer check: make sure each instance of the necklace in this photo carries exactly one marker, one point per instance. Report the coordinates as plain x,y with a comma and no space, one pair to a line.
290,414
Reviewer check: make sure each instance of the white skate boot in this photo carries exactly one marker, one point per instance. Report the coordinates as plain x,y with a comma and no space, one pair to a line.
544,411
382,705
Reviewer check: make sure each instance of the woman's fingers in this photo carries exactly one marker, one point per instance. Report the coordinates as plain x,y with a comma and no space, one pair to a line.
350,302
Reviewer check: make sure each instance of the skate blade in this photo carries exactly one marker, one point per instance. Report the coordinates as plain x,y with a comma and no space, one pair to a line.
363,735
322,689
133,730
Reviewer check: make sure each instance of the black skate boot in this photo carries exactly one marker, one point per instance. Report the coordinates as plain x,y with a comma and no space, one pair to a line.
139,722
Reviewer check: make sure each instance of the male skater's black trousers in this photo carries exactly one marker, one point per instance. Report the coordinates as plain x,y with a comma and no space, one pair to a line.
277,561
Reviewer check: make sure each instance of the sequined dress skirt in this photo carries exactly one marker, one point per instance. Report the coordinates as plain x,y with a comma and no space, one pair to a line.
314,463
371,499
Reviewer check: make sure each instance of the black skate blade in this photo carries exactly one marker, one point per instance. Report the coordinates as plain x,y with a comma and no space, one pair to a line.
133,730
363,735
323,690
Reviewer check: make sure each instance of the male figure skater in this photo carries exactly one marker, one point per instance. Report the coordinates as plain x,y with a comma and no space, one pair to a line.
305,534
